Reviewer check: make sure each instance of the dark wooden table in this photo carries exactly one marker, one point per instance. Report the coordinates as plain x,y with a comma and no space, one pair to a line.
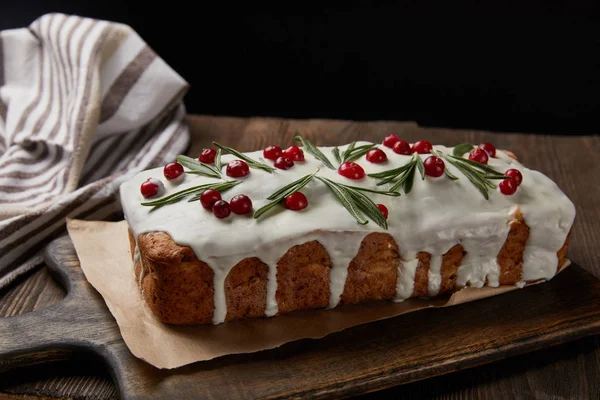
568,371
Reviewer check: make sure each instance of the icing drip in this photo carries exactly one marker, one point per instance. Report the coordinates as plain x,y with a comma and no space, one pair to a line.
434,275
436,215
406,279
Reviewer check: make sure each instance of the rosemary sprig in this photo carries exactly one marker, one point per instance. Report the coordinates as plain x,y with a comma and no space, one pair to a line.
462,148
282,193
361,189
218,163
314,150
480,175
353,153
336,154
406,173
251,163
357,203
197,167
191,191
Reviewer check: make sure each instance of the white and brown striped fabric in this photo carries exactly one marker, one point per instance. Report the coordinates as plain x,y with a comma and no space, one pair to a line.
84,104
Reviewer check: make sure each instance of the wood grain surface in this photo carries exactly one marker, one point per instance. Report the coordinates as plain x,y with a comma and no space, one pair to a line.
571,370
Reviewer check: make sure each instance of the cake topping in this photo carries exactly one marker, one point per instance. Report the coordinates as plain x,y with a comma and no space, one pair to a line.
434,166
207,156
173,170
241,204
351,170
209,197
251,163
508,186
390,140
422,147
294,153
151,187
489,148
296,201
479,155
402,147
284,163
272,152
376,156
237,169
352,153
315,151
383,210
221,209
404,173
200,168
516,174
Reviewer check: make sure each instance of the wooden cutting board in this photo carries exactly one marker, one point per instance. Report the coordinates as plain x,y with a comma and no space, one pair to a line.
362,359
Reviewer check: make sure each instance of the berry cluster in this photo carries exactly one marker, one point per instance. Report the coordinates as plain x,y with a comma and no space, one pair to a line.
239,204
283,159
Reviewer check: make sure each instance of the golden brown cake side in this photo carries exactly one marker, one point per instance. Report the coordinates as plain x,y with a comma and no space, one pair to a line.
178,286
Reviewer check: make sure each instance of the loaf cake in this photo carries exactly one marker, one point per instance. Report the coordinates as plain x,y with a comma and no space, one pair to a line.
231,235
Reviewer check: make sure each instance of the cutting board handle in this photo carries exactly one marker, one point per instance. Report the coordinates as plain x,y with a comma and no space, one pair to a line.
56,332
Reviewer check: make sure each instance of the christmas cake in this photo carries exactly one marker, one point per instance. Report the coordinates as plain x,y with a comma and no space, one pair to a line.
231,235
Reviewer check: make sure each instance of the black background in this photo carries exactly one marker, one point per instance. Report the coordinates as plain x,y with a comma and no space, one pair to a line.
507,66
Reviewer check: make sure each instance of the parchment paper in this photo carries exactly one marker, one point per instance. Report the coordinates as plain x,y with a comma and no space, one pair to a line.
106,260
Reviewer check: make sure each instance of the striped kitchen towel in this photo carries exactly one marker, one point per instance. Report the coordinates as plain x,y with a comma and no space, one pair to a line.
84,105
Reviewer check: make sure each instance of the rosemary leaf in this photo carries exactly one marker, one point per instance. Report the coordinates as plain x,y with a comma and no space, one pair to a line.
450,174
197,167
475,164
421,167
369,208
358,152
286,188
315,151
382,192
348,150
346,200
408,182
390,172
284,192
191,191
336,154
462,148
252,163
218,163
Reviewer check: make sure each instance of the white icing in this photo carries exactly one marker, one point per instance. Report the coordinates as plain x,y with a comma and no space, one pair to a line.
434,279
438,214
406,279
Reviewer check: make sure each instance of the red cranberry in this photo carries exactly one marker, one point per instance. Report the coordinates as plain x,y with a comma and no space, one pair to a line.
272,152
221,209
508,186
150,187
173,170
515,174
402,147
383,210
479,155
294,153
241,204
376,156
209,197
237,169
351,170
390,140
422,147
296,201
208,156
284,163
434,166
489,148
